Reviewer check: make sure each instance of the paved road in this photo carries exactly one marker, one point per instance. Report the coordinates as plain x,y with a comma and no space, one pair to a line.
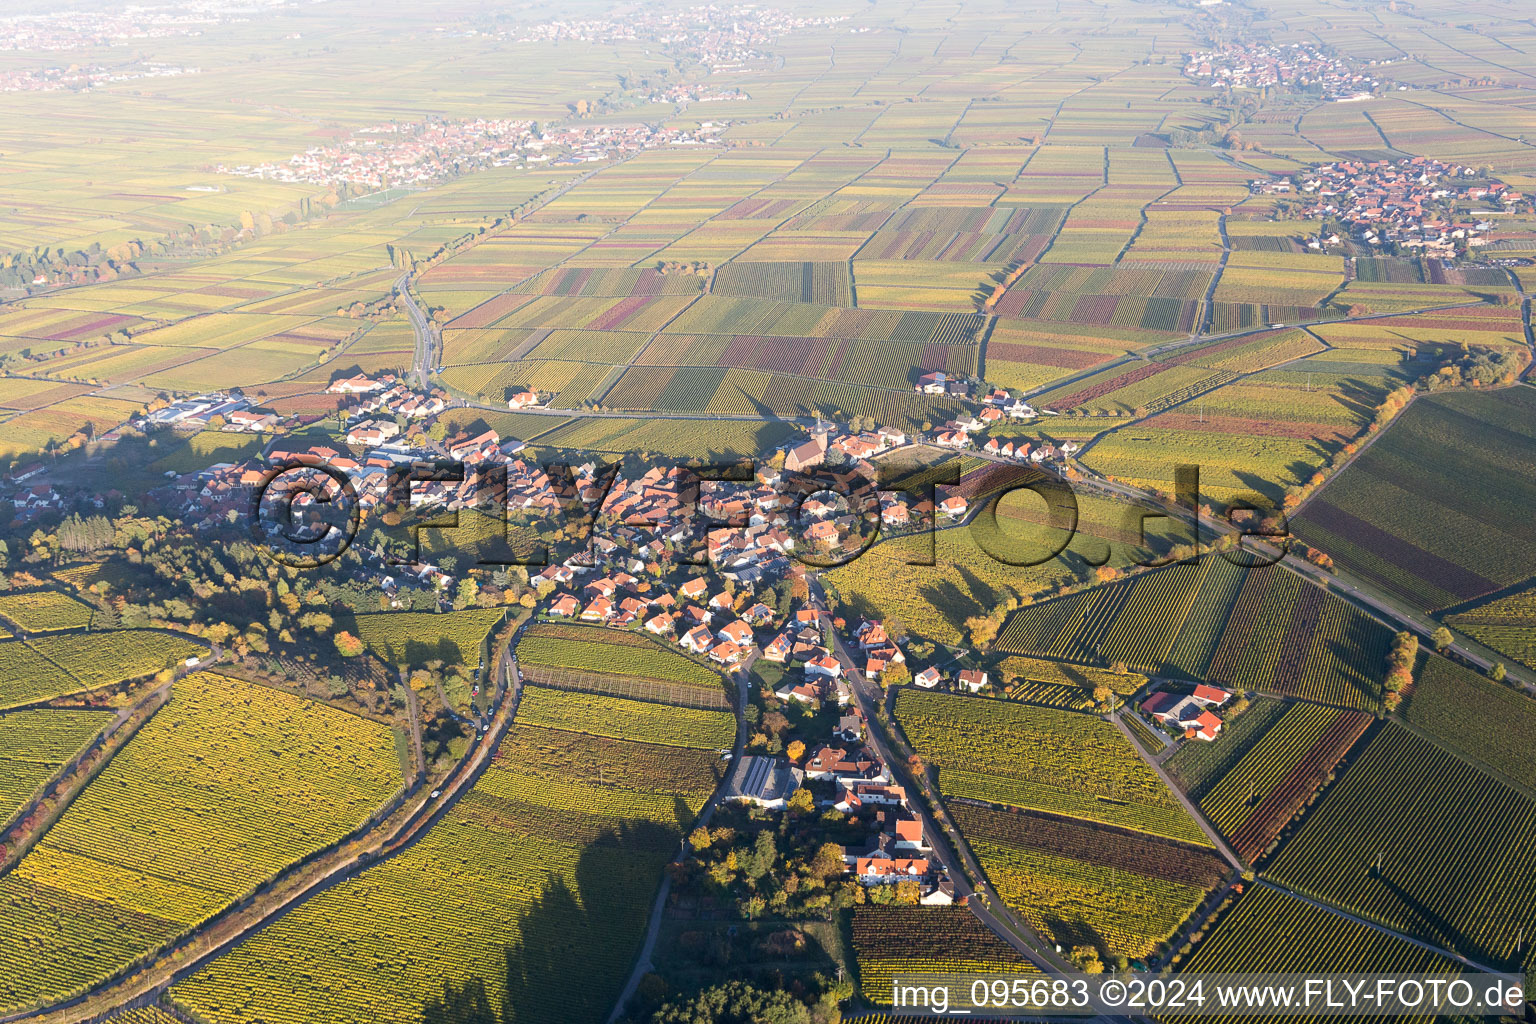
421,361
984,902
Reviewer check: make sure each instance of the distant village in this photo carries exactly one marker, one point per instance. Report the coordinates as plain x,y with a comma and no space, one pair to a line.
81,77
1262,66
77,28
395,154
721,38
1409,204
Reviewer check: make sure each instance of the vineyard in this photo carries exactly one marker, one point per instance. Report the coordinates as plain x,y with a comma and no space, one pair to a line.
1080,885
226,785
34,745
1196,767
411,639
616,717
1416,840
1041,759
1269,931
612,653
1251,629
1436,510
542,878
892,941
45,667
1276,777
1487,723
41,611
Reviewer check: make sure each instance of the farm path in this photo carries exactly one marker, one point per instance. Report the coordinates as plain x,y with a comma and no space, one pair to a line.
643,962
1346,915
1189,805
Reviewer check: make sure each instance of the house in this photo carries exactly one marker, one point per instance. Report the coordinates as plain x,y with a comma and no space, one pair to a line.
523,400
598,610
725,653
565,606
759,614
659,624
250,419
1210,696
824,665
693,589
886,870
953,506
698,640
972,679
808,692
909,836
928,678
850,728
737,632
358,385
778,649
766,782
1205,727
932,383
940,894
1190,713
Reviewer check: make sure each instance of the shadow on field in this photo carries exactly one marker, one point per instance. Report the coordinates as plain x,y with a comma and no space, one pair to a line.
553,967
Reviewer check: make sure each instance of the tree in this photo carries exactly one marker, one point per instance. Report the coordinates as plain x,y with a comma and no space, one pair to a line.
828,861
795,750
347,645
1087,959
801,802
1442,638
699,839
1497,673
735,1002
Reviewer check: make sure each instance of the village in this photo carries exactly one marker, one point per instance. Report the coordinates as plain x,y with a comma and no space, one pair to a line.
81,77
1409,204
1262,66
394,154
721,38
